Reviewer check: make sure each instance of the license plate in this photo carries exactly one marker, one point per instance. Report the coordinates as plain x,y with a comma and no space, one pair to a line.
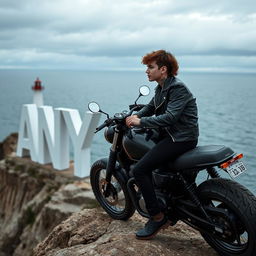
236,168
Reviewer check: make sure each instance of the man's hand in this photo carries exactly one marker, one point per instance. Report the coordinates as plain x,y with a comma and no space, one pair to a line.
132,121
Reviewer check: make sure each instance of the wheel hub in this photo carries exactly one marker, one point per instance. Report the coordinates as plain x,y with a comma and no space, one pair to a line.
230,226
109,192
227,230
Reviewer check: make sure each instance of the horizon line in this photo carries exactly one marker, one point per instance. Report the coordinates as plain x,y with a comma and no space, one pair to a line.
181,70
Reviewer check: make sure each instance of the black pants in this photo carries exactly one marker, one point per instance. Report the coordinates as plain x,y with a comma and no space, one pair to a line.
164,151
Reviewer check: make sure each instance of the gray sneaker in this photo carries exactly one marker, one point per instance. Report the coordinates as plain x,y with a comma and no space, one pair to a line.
151,228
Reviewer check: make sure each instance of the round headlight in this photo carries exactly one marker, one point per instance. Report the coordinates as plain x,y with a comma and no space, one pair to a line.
109,134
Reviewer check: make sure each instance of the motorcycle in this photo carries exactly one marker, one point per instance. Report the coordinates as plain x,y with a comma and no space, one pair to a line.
221,209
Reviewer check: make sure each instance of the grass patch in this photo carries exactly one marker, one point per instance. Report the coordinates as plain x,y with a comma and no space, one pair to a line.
19,168
30,216
32,171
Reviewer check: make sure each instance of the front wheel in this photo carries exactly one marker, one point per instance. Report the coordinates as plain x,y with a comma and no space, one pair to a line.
115,200
240,225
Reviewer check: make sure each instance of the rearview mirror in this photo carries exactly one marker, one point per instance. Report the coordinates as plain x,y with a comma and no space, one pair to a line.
94,107
144,90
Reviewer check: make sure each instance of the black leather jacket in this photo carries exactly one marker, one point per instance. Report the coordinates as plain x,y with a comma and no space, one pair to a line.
174,109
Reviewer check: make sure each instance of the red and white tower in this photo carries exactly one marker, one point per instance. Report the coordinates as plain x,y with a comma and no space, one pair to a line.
38,95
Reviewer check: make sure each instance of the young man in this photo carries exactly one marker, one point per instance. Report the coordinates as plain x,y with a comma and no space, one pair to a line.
173,111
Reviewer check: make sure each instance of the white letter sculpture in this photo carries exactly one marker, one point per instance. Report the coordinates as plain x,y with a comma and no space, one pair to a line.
28,132
53,138
45,133
81,134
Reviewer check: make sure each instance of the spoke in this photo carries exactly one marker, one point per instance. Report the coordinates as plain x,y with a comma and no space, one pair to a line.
114,200
244,240
238,239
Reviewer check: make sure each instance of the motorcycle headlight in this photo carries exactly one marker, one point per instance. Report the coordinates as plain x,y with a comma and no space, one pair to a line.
109,134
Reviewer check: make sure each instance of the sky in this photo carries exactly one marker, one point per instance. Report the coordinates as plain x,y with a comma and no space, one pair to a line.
204,35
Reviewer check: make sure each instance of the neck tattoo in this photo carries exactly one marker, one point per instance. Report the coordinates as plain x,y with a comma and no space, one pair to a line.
161,82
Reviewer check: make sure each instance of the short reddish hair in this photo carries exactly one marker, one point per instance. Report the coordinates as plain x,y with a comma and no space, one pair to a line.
162,58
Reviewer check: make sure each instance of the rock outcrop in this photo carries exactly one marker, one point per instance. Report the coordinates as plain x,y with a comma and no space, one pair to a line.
33,200
45,212
8,146
93,232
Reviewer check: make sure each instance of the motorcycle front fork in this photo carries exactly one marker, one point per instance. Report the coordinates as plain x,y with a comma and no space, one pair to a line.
111,165
109,172
111,162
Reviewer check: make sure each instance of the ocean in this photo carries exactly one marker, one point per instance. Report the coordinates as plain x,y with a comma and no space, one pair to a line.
226,104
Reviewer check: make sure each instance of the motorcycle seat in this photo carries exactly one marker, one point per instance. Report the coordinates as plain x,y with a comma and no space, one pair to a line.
202,157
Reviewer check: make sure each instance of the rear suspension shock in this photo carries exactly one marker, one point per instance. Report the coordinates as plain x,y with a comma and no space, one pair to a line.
191,189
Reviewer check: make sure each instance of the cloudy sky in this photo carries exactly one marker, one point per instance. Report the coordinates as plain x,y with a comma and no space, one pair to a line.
205,35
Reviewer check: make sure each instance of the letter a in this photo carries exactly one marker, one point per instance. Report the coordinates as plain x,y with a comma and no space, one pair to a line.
28,132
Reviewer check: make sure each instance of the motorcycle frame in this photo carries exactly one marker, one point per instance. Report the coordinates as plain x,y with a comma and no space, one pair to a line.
204,223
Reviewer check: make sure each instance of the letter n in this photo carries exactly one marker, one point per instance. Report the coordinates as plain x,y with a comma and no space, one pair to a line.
53,138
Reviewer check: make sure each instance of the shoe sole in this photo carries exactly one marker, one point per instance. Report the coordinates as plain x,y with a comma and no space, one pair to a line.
166,225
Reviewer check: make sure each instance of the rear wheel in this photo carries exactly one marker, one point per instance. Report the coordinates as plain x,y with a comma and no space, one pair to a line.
116,200
239,234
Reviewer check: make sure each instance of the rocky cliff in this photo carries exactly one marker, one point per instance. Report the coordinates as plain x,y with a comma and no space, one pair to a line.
47,212
34,199
8,146
93,232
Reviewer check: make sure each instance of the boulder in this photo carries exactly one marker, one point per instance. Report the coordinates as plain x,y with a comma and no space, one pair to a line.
8,146
93,232
34,199
40,205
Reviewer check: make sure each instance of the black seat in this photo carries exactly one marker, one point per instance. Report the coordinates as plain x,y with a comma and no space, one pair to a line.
202,156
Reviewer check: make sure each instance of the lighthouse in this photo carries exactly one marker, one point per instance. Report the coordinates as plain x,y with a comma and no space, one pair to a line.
38,95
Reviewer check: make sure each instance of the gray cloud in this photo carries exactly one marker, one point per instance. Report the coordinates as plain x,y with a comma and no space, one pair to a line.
84,33
211,7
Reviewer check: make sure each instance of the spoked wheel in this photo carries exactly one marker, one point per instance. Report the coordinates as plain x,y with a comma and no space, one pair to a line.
113,196
239,224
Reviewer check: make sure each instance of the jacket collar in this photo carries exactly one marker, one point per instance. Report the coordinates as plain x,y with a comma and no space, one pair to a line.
169,81
160,97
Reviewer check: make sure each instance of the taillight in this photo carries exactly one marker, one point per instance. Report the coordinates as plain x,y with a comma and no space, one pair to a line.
229,162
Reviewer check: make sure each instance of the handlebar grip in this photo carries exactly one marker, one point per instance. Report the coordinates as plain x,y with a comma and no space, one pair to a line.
106,123
101,127
136,107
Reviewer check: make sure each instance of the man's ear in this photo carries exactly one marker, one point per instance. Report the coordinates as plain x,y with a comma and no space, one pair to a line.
163,69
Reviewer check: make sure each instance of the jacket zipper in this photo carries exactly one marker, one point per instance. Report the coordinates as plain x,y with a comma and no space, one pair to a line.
156,107
160,104
170,134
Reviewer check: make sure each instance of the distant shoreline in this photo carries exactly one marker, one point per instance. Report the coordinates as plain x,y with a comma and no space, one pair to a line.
190,71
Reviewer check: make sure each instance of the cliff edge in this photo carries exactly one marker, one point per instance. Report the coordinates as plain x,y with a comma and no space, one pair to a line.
45,212
93,232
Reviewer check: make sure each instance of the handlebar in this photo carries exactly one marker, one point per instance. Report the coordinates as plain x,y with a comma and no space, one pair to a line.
109,121
136,107
106,123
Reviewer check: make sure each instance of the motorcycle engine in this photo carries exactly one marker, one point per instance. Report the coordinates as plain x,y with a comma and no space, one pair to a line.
162,201
164,179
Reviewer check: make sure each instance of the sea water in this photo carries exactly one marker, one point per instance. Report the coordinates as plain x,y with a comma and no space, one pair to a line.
226,104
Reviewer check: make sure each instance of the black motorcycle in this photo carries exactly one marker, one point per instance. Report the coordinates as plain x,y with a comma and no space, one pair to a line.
221,209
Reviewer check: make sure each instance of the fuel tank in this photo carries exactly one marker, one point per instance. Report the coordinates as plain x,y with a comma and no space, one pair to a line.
137,143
